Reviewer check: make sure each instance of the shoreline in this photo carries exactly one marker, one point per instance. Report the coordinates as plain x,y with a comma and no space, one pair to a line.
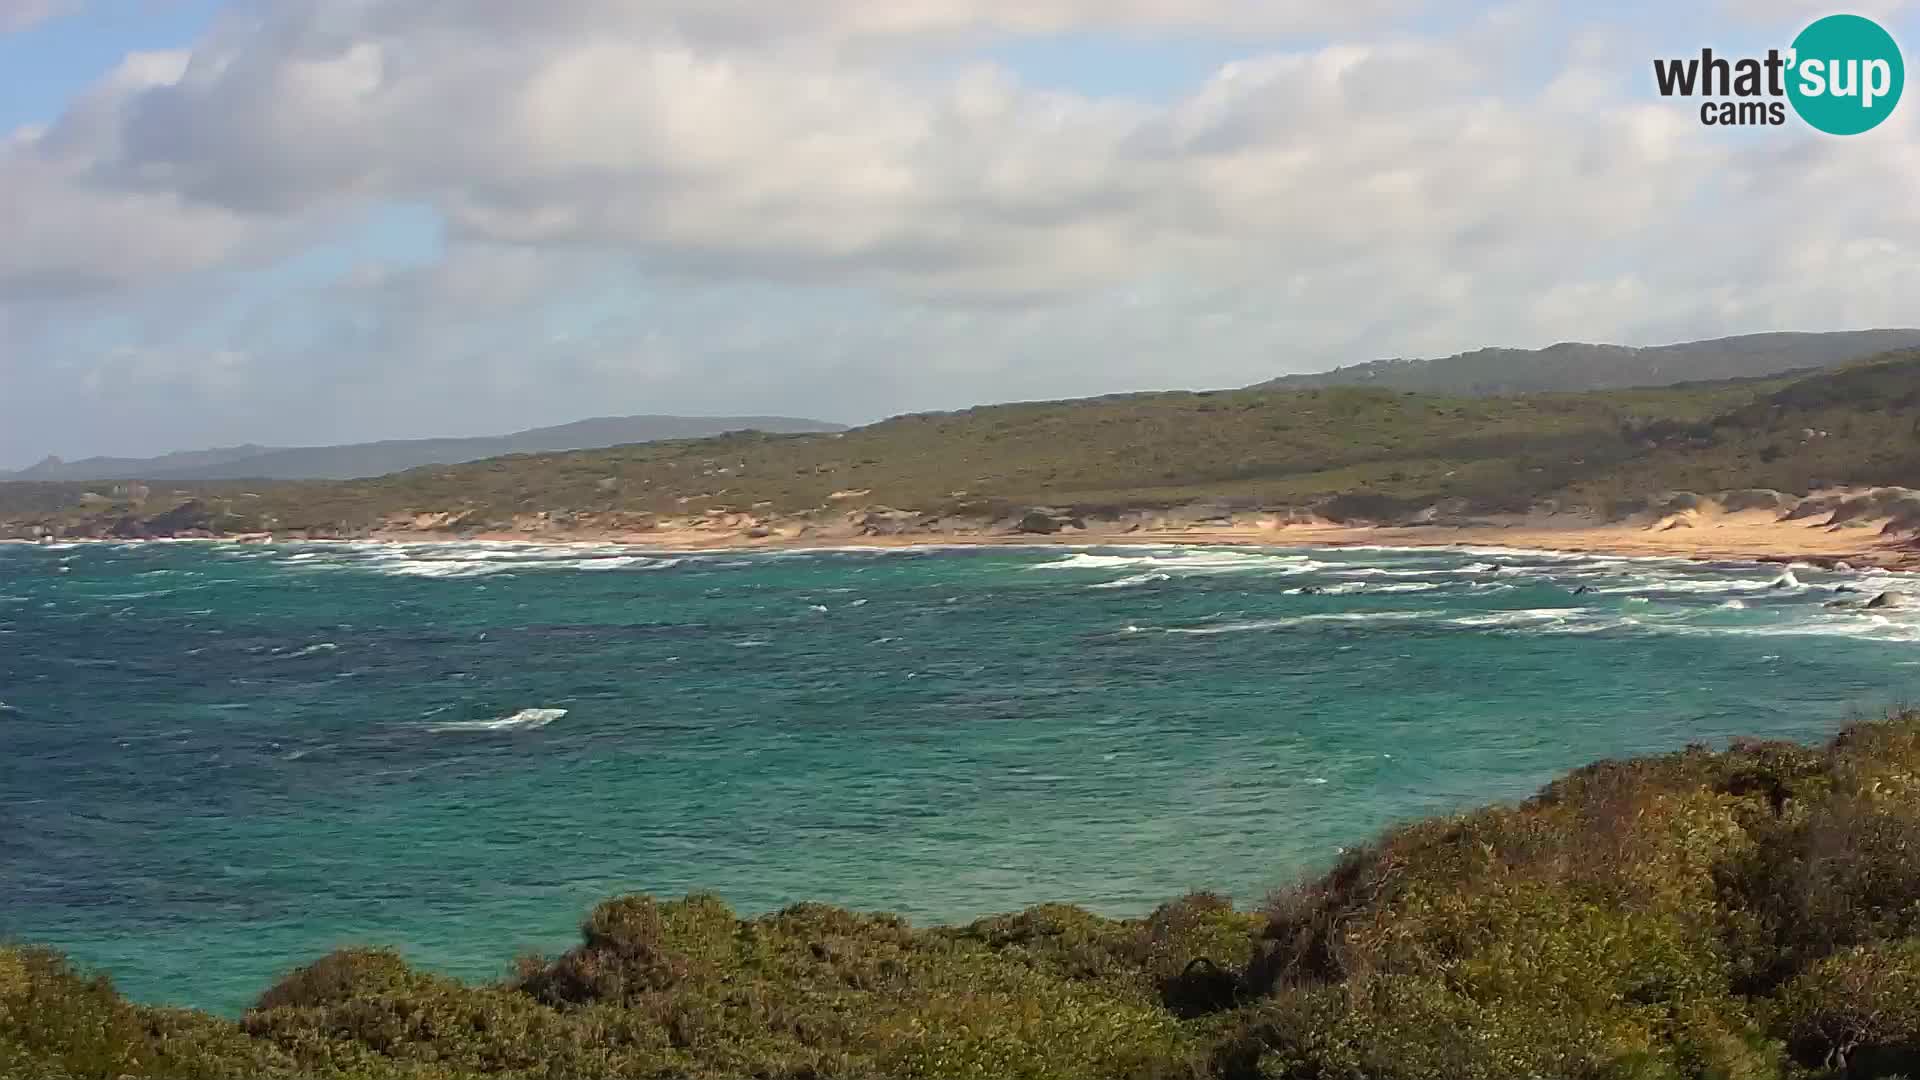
1752,536
1746,536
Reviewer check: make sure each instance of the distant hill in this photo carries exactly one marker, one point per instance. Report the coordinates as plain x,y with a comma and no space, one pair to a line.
1249,447
1345,450
118,468
252,462
1578,366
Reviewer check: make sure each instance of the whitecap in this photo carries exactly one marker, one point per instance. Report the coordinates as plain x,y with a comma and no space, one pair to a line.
524,720
1298,620
1707,586
440,568
1188,561
321,647
296,755
616,562
1130,582
1520,617
1083,560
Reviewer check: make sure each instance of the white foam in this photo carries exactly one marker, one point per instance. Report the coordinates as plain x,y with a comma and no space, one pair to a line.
1861,627
1520,617
524,720
1692,585
469,558
1188,561
615,562
1298,620
321,647
1129,582
441,568
1084,560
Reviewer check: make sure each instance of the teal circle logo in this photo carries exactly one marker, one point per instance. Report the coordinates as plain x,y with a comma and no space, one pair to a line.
1846,74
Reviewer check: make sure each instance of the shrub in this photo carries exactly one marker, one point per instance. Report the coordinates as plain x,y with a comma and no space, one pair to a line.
635,945
337,976
1857,1011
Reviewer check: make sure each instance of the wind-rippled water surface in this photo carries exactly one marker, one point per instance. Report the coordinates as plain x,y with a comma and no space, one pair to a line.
217,760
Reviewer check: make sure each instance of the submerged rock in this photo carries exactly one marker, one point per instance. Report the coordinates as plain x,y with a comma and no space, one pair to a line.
1886,600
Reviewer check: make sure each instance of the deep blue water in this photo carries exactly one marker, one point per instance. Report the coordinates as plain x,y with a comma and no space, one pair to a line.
218,761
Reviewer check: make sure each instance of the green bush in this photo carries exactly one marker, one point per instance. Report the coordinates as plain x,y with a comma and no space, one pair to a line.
1857,1011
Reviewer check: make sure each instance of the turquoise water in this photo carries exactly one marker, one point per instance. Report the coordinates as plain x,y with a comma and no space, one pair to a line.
218,761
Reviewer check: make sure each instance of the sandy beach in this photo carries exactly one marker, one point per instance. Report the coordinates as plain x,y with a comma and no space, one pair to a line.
1751,535
1708,533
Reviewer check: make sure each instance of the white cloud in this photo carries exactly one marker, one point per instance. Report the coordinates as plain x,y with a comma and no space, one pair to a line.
742,22
801,199
787,162
19,15
65,234
1805,11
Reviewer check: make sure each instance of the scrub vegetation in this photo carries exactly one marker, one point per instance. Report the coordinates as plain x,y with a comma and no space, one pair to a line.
1390,453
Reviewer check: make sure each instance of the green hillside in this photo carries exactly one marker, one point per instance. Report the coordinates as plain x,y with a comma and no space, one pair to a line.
1386,451
1573,365
1747,915
1858,425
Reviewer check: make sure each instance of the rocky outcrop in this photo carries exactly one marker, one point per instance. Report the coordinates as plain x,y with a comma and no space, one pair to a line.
1814,506
1044,521
1366,508
1887,503
1668,503
885,521
190,516
1741,499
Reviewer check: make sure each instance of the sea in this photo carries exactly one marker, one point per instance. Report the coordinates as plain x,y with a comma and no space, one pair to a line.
220,760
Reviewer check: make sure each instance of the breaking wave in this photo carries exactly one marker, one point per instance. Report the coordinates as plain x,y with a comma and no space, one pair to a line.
524,720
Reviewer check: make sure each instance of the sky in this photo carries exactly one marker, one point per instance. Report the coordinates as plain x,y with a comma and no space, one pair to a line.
298,222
